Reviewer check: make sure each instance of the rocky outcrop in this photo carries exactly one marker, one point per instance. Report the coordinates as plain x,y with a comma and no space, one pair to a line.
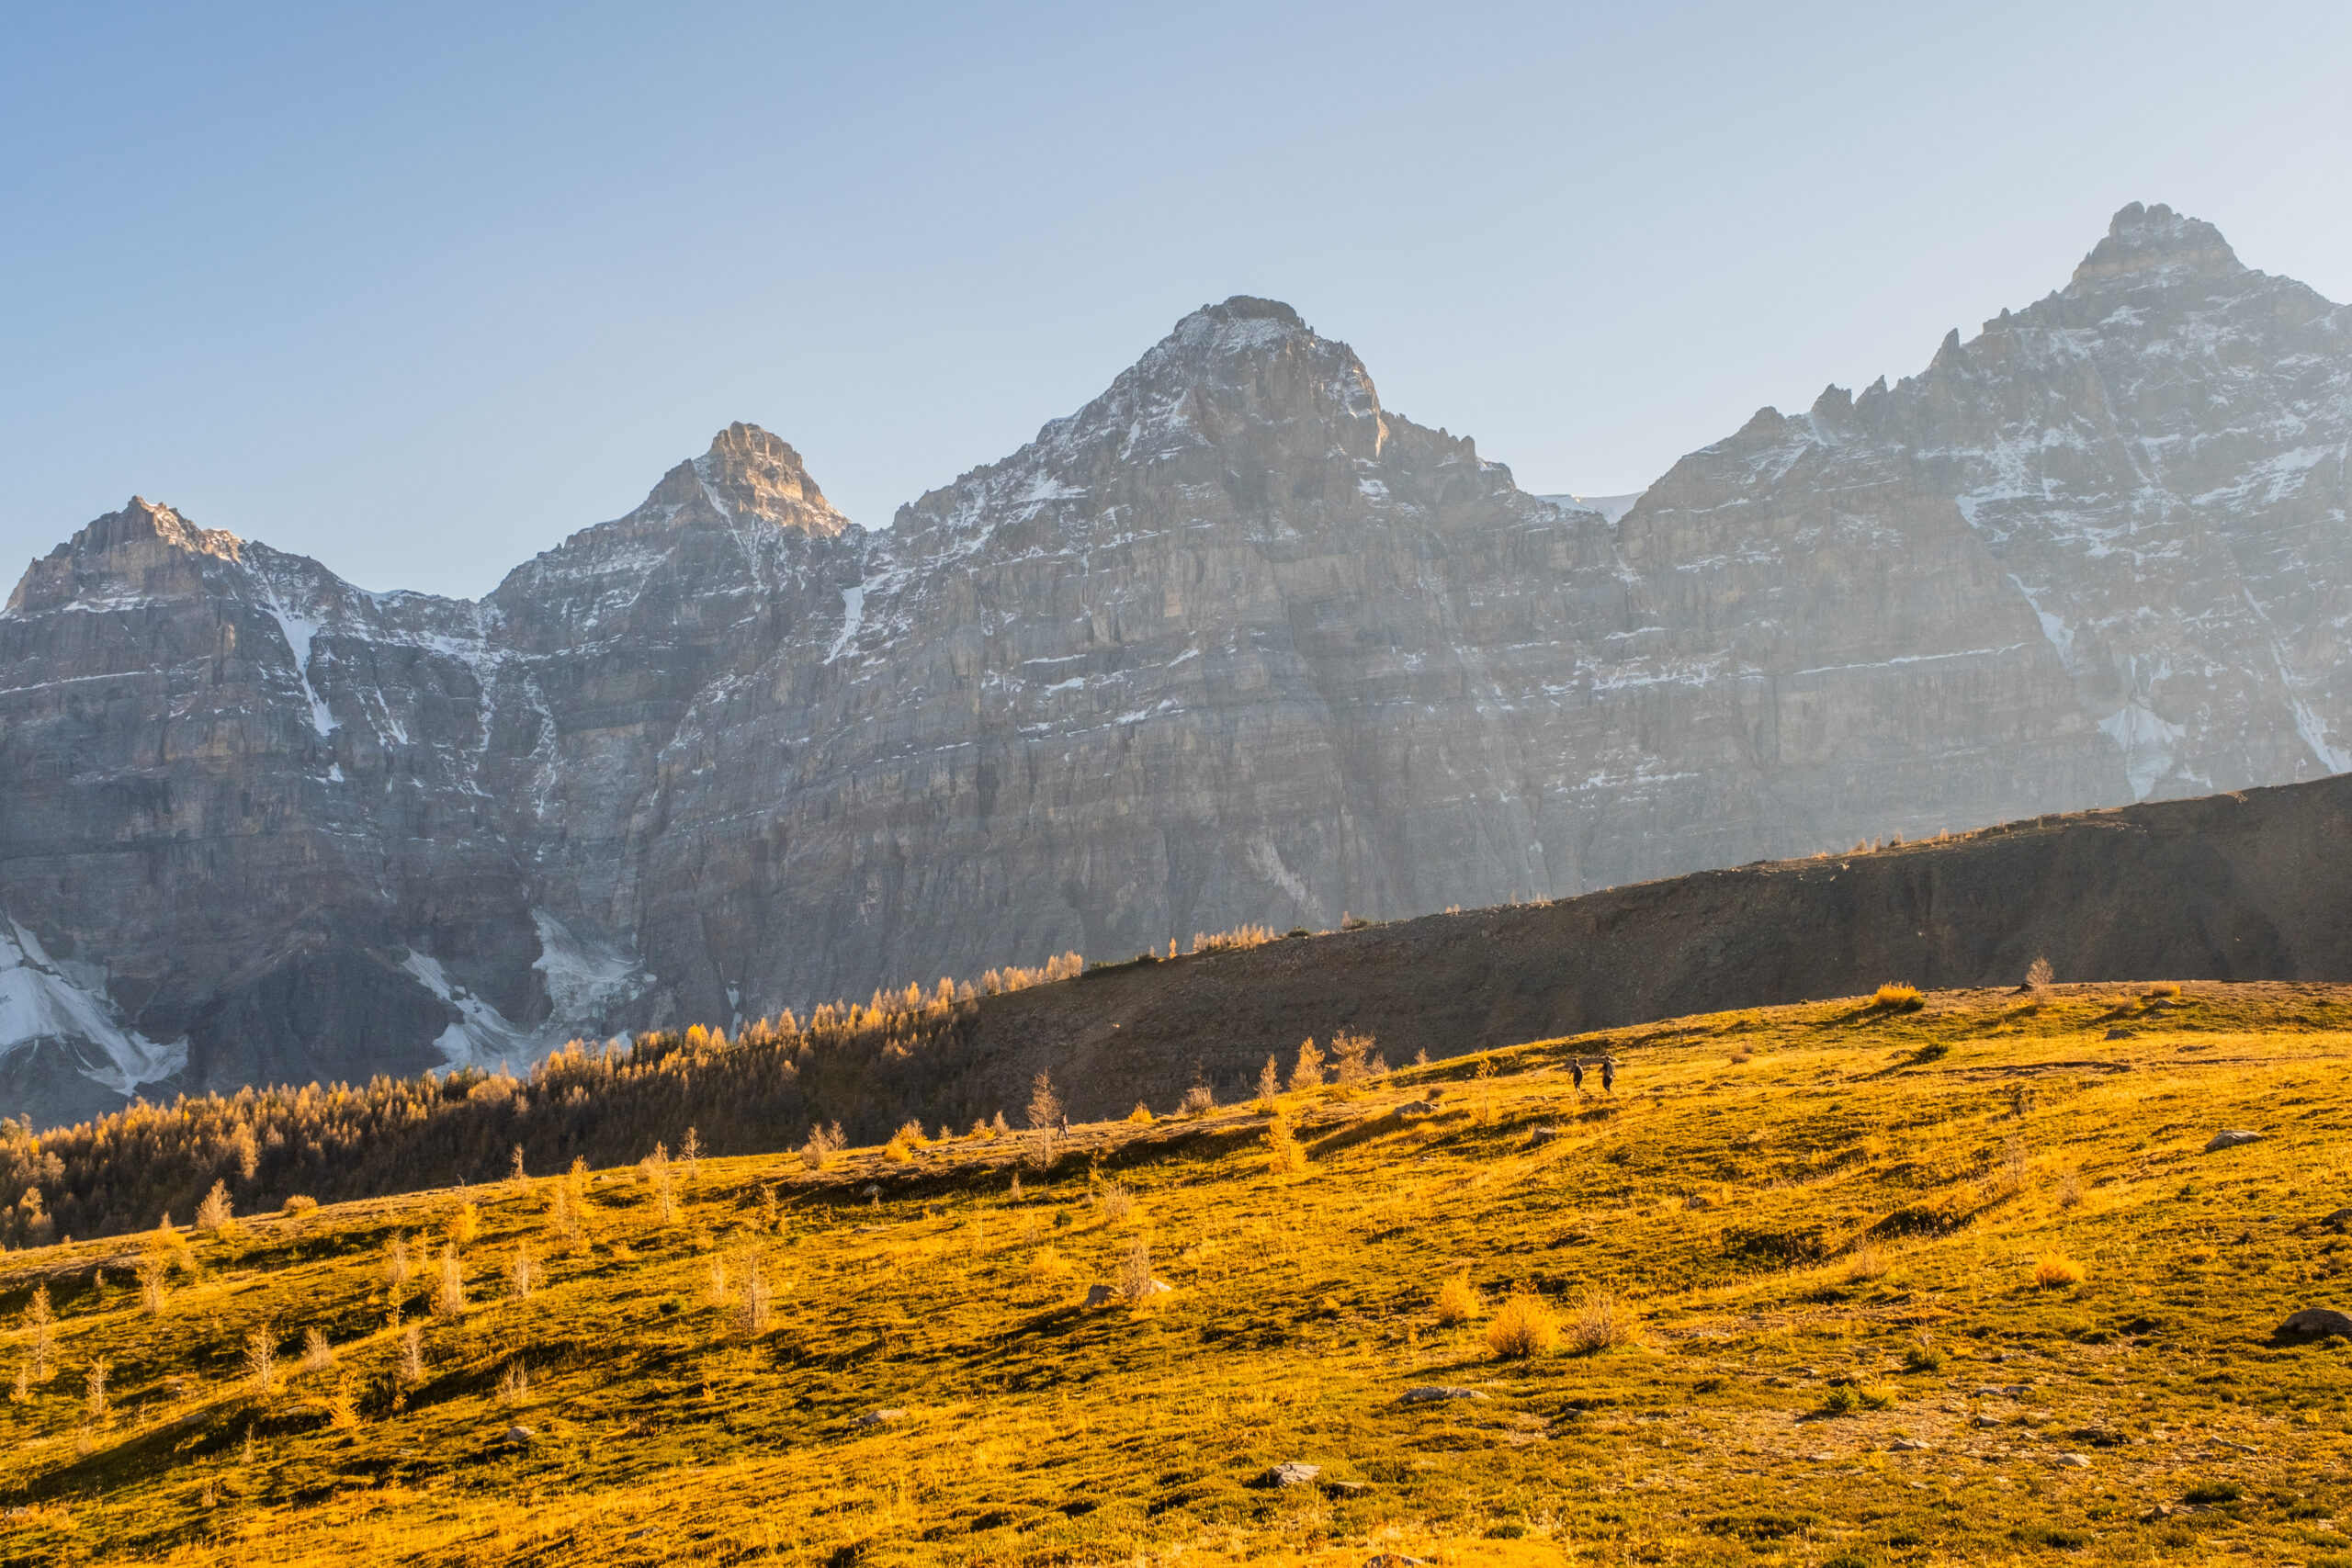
1232,643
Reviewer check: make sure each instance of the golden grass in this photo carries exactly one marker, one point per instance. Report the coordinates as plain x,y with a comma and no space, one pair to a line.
665,1429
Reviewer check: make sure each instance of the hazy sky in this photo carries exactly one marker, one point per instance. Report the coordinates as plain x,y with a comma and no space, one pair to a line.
419,289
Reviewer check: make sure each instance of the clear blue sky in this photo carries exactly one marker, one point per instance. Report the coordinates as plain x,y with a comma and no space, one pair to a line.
420,289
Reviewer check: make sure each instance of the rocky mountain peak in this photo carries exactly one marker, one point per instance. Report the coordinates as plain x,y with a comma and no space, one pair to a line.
2145,242
749,472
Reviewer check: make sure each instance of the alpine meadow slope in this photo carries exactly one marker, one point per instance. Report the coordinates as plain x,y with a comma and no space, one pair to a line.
1231,644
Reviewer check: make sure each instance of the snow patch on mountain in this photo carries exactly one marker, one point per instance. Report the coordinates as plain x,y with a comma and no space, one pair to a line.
40,1001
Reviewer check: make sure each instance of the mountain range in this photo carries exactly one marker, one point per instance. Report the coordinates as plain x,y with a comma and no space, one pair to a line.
1231,644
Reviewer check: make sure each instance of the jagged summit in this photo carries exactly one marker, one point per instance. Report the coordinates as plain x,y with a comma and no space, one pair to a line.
1249,308
754,473
2156,240
746,473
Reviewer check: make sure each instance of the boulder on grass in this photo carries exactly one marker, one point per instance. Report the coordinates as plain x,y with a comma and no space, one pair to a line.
2316,1322
2230,1138
1292,1472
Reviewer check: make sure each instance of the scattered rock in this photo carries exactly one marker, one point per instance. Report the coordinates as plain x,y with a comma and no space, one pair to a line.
1416,1108
1985,1421
1396,1560
2339,1221
2319,1322
1101,1296
871,1190
2230,1138
1425,1394
1908,1446
517,1436
2119,1035
1348,1488
1546,1135
881,1417
1292,1472
2072,1461
1158,1288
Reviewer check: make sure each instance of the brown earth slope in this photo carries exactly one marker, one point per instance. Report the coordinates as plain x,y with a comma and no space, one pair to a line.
2252,885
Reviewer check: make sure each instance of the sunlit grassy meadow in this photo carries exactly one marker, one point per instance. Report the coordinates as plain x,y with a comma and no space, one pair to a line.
1856,1282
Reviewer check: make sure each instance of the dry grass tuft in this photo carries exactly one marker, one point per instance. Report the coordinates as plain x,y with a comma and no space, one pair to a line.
318,1355
294,1208
1599,1322
2057,1270
1866,1264
1524,1326
1141,1115
1898,997
1457,1302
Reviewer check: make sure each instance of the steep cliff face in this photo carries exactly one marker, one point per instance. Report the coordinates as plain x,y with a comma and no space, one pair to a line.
2122,509
1231,643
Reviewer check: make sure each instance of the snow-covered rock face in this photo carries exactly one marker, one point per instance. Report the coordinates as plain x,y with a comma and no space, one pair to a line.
1231,643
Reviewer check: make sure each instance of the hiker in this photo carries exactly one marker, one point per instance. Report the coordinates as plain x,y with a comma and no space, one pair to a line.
1609,1074
1575,1074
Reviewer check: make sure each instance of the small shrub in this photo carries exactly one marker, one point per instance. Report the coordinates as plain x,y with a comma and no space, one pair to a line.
513,1384
1599,1322
1840,1399
1134,1272
1923,1358
317,1354
752,1310
521,1274
2056,1270
715,1291
465,1224
396,1265
1351,1053
1283,1155
294,1208
1524,1326
897,1152
1116,1201
261,1362
411,1362
93,1392
1307,1072
1199,1100
1457,1301
1897,998
1865,1264
2039,975
655,1168
911,1134
1140,1115
2211,1494
342,1408
1048,1266
823,1144
2165,988
2069,1190
214,1215
1270,1087
449,1292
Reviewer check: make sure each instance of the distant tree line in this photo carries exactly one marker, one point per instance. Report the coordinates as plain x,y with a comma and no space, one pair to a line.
907,1055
